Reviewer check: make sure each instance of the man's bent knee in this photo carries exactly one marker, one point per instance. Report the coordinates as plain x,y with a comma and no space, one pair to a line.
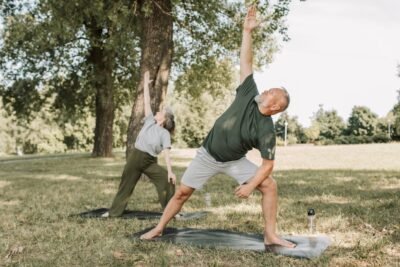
183,193
268,184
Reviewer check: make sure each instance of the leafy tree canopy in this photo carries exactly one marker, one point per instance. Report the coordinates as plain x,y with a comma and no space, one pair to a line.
48,43
196,110
329,123
362,121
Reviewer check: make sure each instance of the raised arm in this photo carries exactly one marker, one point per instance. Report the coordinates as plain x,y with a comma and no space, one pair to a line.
146,94
246,50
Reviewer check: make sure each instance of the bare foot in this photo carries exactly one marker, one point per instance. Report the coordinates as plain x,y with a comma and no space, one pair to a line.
279,241
151,234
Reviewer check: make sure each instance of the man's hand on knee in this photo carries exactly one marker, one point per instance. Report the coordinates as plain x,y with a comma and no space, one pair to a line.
244,190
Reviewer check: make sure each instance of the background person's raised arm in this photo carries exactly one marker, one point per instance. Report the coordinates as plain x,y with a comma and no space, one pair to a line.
146,94
246,50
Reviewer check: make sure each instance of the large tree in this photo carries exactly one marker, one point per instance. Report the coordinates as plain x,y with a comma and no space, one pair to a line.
83,53
94,55
156,44
190,32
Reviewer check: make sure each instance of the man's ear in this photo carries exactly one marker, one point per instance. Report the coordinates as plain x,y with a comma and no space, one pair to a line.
276,107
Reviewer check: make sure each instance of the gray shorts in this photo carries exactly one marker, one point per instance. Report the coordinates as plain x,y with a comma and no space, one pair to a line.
204,166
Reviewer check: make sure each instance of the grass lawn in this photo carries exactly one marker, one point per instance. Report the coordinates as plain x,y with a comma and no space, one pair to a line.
356,199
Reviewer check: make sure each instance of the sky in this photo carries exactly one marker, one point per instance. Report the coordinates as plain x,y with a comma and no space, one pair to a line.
342,53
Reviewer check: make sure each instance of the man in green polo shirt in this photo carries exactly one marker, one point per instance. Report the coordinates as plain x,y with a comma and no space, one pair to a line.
246,124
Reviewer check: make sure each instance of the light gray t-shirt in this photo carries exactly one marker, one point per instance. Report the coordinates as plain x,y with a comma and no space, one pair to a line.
152,138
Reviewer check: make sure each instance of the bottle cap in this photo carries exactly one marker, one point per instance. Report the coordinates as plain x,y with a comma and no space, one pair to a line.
310,212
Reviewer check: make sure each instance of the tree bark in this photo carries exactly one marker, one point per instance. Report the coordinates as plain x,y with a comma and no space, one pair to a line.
102,62
157,47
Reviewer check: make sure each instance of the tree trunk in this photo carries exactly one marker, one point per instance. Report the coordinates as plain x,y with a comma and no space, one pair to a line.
157,47
103,64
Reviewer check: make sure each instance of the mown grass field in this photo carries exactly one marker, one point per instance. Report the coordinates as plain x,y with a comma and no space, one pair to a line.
356,200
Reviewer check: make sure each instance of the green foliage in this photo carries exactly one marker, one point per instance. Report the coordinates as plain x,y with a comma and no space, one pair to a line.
7,128
295,132
198,104
121,125
395,119
209,76
329,123
312,132
213,28
84,55
364,127
43,43
45,131
381,138
77,130
357,139
23,98
66,46
362,121
40,133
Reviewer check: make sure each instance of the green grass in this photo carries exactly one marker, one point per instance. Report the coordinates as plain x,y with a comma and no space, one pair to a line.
358,209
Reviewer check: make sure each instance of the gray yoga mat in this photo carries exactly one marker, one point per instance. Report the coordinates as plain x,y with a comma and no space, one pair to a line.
141,215
306,246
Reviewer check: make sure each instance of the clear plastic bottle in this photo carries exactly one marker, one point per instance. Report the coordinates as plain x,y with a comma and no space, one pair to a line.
311,220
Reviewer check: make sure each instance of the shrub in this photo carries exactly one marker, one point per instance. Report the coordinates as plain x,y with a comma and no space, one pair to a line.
381,138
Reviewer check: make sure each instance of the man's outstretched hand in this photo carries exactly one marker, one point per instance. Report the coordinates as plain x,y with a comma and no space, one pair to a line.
251,22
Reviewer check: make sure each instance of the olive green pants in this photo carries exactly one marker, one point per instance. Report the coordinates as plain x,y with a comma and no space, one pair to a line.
141,162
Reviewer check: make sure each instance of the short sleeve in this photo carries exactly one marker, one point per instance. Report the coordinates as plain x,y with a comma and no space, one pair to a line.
148,120
247,86
165,140
267,143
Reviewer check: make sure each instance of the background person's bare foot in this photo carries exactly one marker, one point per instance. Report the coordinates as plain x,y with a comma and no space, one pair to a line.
279,241
151,234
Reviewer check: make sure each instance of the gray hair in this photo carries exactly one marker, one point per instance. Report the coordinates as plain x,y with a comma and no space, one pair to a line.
287,97
169,123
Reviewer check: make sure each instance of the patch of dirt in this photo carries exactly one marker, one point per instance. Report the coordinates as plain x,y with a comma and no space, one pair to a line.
4,184
9,203
57,177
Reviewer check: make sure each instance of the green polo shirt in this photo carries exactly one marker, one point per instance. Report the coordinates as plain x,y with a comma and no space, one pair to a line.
242,127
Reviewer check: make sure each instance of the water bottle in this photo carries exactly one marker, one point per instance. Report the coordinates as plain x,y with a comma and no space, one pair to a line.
311,220
207,199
